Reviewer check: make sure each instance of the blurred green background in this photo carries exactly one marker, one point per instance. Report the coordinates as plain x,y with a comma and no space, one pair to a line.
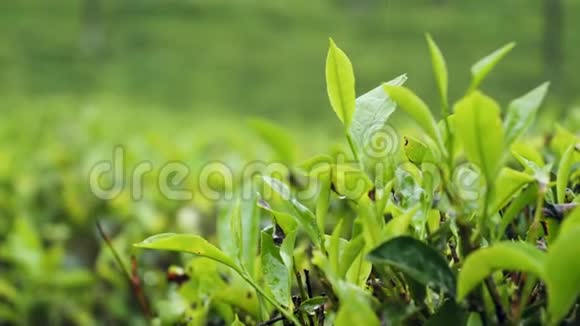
267,57
175,80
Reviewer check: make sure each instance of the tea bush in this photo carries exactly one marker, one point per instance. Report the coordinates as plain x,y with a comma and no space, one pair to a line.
471,219
465,220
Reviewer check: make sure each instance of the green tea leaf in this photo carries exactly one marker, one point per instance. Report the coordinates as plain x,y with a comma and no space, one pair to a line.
400,225
198,246
418,110
417,260
571,221
518,256
225,240
359,271
237,322
355,308
275,273
334,247
250,231
416,151
481,68
317,165
562,277
299,212
506,185
439,69
187,243
481,132
352,249
287,249
564,170
310,306
278,187
236,229
340,84
277,138
522,111
237,296
527,151
474,319
373,109
562,139
525,198
350,181
286,221
323,201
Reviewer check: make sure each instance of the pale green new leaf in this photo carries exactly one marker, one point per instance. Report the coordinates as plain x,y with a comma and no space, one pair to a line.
507,183
416,151
562,139
522,111
335,246
418,110
275,273
350,181
340,84
571,221
187,243
352,249
439,69
316,165
525,198
564,170
286,221
287,249
236,229
311,305
323,201
562,277
355,308
196,245
373,109
512,256
299,212
481,68
399,225
237,322
250,229
481,132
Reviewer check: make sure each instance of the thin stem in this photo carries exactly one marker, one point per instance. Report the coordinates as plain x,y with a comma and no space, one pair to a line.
303,293
132,276
528,286
499,310
445,113
484,215
534,228
352,148
272,321
308,284
289,315
116,256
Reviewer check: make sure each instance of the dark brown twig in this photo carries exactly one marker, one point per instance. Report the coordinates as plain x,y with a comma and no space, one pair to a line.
132,276
453,250
499,311
308,284
272,321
